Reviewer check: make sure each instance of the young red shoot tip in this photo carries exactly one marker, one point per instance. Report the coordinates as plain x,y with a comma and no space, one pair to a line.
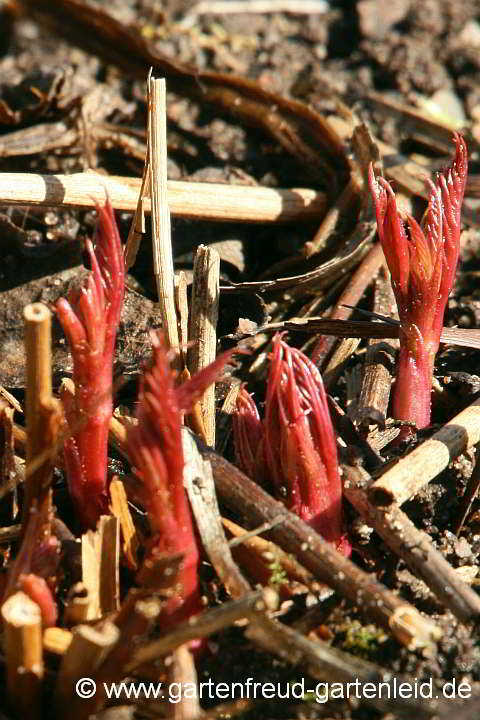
299,445
90,319
422,261
156,452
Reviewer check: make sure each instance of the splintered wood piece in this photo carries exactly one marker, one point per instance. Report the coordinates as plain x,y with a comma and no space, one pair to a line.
22,624
418,468
120,510
136,624
377,379
203,501
100,567
181,304
161,229
87,649
56,640
414,547
203,327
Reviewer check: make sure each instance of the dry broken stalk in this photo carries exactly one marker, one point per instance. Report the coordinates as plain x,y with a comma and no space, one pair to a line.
415,470
155,449
202,331
22,624
38,556
100,567
422,263
200,488
191,200
377,379
90,318
87,649
161,229
43,415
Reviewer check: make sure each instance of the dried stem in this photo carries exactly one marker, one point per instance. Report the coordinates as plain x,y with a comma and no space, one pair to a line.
100,567
203,327
22,624
414,547
428,460
203,501
88,648
373,403
137,624
42,411
161,231
190,200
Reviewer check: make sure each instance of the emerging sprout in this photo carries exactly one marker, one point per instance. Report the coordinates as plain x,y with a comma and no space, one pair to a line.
422,262
295,447
90,319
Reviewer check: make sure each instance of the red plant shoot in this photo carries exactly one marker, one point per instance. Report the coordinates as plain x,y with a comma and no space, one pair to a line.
248,435
89,319
155,450
422,263
298,445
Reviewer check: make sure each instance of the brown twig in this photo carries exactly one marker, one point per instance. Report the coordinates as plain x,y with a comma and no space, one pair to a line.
241,495
414,547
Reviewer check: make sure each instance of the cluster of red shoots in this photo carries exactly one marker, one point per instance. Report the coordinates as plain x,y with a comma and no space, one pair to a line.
294,448
422,264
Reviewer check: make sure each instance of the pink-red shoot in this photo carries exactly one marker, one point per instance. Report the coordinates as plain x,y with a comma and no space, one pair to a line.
295,447
90,319
155,450
422,261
